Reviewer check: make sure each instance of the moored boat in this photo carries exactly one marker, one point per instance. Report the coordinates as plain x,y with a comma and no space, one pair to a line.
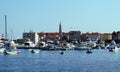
29,43
89,51
61,52
12,52
82,46
113,47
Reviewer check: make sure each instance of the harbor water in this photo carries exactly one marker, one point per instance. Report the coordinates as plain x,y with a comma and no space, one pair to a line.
101,60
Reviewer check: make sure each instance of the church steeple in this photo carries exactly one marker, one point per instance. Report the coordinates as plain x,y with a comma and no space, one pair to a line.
60,29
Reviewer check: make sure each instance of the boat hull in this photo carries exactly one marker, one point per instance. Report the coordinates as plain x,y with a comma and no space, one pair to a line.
12,52
2,50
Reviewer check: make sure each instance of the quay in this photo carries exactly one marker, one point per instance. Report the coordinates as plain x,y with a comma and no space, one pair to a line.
45,48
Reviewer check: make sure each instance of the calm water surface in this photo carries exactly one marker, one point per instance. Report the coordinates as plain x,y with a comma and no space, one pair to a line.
52,61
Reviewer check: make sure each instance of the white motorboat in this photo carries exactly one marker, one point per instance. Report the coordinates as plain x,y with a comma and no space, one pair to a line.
82,46
29,43
68,46
91,44
12,52
41,44
113,47
102,45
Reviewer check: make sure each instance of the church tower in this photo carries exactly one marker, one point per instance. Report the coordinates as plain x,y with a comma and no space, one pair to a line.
60,30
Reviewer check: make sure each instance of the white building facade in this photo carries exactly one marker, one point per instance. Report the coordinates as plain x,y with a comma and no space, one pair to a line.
33,36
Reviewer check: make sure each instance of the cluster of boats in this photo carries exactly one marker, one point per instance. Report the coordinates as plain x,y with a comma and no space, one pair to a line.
57,45
11,48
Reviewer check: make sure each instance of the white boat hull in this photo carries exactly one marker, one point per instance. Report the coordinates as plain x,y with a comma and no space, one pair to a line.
2,50
82,48
12,52
114,49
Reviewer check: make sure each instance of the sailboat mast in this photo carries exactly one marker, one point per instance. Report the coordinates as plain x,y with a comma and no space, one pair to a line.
5,26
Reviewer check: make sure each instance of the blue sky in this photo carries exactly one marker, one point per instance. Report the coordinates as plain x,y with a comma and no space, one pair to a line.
45,15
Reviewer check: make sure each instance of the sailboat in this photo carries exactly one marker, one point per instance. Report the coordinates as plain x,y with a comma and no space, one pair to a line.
10,46
2,49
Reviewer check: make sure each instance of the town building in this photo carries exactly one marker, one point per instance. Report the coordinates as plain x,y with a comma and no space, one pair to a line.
94,36
33,36
52,35
106,36
74,35
49,36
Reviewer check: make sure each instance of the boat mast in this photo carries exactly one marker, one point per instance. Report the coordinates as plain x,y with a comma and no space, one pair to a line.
5,26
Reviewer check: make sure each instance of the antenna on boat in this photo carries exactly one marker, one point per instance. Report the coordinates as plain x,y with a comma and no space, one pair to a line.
5,26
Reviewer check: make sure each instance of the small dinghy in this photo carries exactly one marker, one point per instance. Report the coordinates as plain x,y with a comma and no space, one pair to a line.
61,52
12,52
89,51
35,51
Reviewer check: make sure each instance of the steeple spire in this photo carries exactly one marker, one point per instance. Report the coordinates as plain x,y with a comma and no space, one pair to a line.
60,30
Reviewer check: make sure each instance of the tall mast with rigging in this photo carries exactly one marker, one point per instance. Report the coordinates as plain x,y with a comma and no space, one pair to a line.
5,26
